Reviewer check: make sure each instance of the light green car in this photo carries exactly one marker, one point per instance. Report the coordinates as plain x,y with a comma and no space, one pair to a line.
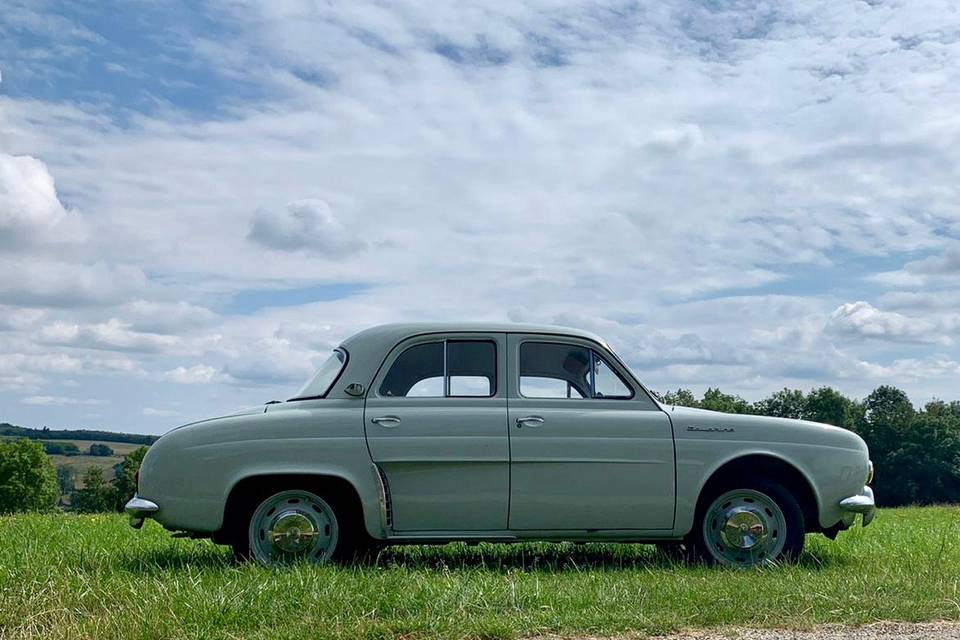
427,433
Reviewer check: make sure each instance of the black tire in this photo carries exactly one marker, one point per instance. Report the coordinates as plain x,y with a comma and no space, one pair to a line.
352,541
787,538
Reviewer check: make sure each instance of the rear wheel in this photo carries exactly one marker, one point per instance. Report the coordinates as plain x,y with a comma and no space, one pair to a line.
750,524
295,525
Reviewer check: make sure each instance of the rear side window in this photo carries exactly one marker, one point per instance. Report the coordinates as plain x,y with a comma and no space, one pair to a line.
553,370
450,368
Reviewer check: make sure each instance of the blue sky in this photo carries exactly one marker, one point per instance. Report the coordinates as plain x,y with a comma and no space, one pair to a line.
199,200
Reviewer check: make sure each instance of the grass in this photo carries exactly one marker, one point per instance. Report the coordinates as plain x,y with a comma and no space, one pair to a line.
64,576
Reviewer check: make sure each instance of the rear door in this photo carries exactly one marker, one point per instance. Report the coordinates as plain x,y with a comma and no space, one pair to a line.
589,449
436,425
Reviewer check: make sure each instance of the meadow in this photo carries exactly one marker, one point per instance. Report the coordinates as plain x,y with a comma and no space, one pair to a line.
73,576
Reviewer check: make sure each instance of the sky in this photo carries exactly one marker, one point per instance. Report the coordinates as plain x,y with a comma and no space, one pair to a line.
199,201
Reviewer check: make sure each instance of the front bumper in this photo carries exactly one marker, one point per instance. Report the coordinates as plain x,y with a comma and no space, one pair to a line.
139,509
862,503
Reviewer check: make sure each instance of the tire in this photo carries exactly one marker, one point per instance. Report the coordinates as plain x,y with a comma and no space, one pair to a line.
749,523
291,525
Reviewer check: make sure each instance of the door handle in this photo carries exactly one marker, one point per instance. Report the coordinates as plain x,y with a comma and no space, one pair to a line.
529,421
386,421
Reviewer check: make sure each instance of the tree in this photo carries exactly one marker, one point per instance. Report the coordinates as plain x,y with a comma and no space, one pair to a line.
60,448
100,450
715,400
925,466
28,481
66,479
788,403
681,397
125,476
888,406
96,495
828,406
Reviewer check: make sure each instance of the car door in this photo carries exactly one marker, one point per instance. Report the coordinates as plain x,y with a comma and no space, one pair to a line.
589,448
436,425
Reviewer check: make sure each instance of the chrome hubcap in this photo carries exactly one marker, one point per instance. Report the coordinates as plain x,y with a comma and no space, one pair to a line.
293,525
292,532
744,528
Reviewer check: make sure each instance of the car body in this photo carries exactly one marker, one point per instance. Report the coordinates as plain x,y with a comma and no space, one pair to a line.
498,432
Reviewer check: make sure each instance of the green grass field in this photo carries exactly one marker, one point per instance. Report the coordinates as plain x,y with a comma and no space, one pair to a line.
66,576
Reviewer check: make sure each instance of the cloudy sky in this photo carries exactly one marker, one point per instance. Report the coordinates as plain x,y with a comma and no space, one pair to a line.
198,202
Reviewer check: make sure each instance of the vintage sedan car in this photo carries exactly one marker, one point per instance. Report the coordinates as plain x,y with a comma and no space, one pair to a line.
426,433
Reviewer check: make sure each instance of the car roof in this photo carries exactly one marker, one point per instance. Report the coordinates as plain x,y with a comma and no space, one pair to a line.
391,334
367,349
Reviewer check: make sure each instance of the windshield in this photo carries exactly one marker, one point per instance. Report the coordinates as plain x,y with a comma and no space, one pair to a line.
319,384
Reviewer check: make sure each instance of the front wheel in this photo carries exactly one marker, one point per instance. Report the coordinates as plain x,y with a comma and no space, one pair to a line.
289,526
753,524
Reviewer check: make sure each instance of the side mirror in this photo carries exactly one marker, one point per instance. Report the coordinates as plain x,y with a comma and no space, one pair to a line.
355,389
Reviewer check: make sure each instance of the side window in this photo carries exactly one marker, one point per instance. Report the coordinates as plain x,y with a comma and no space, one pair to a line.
548,368
551,370
453,368
535,387
417,372
472,368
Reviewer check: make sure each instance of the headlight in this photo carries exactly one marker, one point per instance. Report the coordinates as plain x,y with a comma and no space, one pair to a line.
869,471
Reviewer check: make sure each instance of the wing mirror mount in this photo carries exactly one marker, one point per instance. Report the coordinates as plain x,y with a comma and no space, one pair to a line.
354,389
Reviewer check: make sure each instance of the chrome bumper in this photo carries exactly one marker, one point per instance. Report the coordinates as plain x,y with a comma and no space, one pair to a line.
138,509
863,503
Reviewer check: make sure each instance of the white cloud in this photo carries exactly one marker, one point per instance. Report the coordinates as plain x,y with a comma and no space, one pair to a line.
150,412
30,212
305,225
197,374
60,401
864,320
54,283
113,334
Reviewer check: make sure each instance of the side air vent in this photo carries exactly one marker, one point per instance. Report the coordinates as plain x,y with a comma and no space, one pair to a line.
387,504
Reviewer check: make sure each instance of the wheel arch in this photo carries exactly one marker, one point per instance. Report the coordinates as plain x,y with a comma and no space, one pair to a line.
768,465
250,486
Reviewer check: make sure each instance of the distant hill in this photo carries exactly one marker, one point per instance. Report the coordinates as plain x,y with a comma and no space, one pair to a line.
11,430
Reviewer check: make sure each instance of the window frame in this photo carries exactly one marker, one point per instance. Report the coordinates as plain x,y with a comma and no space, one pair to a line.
494,387
594,353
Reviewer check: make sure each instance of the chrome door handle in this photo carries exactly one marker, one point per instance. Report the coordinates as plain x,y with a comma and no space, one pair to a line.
529,421
386,421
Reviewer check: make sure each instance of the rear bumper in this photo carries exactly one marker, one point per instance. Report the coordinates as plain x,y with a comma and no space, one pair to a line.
862,503
139,509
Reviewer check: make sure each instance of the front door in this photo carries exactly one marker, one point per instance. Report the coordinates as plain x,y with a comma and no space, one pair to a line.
589,449
436,425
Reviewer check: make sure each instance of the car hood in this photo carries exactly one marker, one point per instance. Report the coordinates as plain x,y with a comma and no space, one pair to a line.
690,422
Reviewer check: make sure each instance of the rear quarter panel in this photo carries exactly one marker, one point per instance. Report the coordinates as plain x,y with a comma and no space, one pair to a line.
190,471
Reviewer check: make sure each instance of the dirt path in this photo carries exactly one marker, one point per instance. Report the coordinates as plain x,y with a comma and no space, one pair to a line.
877,631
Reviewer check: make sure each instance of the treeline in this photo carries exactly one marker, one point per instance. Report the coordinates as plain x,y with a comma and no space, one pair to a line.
916,453
7,429
29,481
56,448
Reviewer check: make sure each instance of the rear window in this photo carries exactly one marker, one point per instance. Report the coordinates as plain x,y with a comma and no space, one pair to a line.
323,379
